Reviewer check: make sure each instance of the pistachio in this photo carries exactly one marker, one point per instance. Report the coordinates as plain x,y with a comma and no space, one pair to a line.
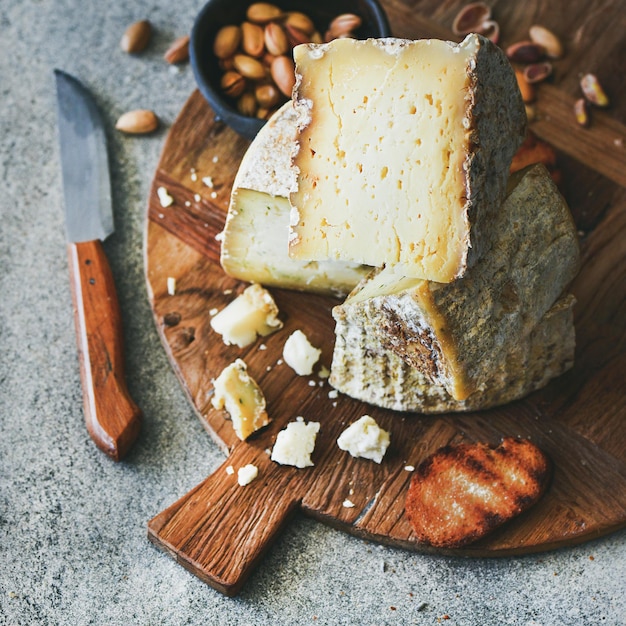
276,40
491,30
246,105
300,21
233,84
136,37
470,18
547,40
344,24
267,96
248,66
263,12
252,39
581,111
137,122
525,52
526,89
296,36
283,74
537,72
592,90
178,52
227,41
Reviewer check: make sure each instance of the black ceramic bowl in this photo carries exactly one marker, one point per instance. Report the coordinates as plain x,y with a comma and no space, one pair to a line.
218,13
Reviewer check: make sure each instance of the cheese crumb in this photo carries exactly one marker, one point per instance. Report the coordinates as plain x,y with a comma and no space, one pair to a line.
295,443
208,181
365,439
246,474
299,354
238,393
230,470
409,468
164,197
252,313
348,504
171,285
333,393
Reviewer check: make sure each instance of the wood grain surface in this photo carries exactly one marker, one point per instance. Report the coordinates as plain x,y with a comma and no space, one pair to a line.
220,530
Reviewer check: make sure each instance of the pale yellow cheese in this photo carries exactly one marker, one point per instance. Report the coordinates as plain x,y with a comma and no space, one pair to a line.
255,239
237,392
404,151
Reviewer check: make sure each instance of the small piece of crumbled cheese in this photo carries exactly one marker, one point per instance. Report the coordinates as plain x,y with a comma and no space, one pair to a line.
348,504
215,159
365,439
164,197
332,394
208,181
299,354
295,443
409,468
324,372
187,203
312,383
197,197
171,285
194,175
246,474
230,470
252,313
262,347
220,237
214,194
237,392
213,312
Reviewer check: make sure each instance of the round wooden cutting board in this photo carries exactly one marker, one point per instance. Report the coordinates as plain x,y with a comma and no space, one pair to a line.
220,530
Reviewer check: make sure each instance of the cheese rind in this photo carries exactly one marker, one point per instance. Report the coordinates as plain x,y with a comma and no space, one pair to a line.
457,334
364,370
255,239
404,162
238,393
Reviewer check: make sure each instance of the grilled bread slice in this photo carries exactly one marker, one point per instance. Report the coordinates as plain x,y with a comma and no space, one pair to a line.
462,492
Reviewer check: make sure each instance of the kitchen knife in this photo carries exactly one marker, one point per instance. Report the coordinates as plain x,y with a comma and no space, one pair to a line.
112,418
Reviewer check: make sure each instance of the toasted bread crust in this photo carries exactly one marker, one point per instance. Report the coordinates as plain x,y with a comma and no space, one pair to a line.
463,492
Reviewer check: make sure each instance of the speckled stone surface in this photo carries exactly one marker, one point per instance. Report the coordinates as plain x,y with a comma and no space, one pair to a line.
73,546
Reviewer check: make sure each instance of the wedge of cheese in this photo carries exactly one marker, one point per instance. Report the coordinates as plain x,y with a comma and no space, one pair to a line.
459,335
366,371
255,238
404,152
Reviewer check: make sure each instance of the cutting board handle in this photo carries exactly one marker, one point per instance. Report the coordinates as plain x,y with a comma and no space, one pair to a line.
220,530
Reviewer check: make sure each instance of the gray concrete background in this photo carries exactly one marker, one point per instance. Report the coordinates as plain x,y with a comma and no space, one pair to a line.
73,547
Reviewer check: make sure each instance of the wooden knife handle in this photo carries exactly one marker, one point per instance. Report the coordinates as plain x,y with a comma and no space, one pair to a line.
112,418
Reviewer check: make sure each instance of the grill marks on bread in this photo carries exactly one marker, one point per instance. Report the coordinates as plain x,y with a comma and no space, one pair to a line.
463,492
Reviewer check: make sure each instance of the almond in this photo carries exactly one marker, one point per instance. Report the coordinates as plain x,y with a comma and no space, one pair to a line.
252,39
138,122
283,73
227,41
136,37
178,52
296,36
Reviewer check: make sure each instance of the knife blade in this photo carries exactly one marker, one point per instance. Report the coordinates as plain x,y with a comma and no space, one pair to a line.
111,416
